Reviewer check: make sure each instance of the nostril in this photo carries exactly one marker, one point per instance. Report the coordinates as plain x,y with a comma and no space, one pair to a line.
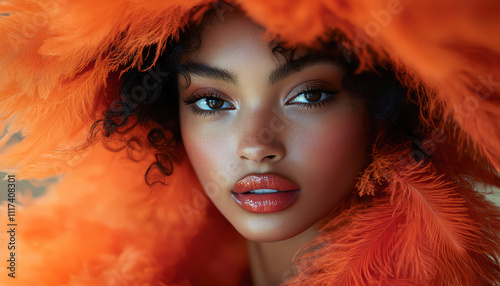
261,154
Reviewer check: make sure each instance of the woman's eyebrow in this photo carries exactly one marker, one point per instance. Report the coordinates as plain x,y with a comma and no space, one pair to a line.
279,73
210,72
291,67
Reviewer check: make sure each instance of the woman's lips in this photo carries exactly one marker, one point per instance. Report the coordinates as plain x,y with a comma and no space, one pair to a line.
264,193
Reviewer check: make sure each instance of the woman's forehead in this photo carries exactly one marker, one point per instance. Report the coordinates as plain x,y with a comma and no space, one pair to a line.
233,33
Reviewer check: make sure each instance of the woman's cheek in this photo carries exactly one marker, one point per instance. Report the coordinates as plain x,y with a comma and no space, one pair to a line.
207,149
332,153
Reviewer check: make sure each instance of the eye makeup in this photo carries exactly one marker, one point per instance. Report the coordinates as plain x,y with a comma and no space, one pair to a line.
309,93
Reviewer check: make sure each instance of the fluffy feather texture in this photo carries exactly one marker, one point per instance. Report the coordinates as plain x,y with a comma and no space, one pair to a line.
60,63
102,225
421,228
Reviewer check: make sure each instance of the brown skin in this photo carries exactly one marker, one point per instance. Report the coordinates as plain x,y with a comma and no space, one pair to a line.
260,128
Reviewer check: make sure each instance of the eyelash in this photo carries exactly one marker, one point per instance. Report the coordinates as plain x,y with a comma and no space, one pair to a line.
191,100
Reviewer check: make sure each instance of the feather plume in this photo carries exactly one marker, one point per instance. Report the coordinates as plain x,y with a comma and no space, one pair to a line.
419,228
102,225
52,86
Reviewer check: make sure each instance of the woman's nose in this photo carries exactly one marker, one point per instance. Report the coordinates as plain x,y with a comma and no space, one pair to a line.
259,141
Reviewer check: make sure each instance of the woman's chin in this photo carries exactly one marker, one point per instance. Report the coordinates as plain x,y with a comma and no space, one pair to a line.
269,227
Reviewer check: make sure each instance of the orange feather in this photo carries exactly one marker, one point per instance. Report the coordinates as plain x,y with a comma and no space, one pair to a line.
419,228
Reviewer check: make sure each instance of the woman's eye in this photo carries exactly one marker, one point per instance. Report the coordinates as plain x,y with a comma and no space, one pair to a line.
207,103
211,103
310,96
314,98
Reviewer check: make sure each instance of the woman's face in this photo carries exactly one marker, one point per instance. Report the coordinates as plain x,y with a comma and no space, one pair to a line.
275,149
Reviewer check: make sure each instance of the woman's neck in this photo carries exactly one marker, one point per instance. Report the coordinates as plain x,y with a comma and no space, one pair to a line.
272,262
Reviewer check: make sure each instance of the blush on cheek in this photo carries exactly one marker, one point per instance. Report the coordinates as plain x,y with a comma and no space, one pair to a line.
208,155
347,144
333,153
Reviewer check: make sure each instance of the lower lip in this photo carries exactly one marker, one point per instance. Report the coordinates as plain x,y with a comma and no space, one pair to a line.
266,203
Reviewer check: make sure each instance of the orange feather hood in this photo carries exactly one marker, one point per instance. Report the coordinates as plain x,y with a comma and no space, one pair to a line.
413,223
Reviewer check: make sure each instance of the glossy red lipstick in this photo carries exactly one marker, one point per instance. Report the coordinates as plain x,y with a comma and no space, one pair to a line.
264,193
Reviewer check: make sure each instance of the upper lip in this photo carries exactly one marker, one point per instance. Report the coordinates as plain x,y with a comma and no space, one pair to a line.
264,181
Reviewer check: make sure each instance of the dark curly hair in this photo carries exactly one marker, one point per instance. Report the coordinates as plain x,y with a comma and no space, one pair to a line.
141,101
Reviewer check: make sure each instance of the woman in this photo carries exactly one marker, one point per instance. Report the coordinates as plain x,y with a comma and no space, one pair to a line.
282,139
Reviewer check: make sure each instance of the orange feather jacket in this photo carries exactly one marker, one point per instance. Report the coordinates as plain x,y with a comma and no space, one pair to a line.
412,223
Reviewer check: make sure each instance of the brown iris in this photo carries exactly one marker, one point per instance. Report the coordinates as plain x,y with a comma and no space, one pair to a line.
214,103
312,96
